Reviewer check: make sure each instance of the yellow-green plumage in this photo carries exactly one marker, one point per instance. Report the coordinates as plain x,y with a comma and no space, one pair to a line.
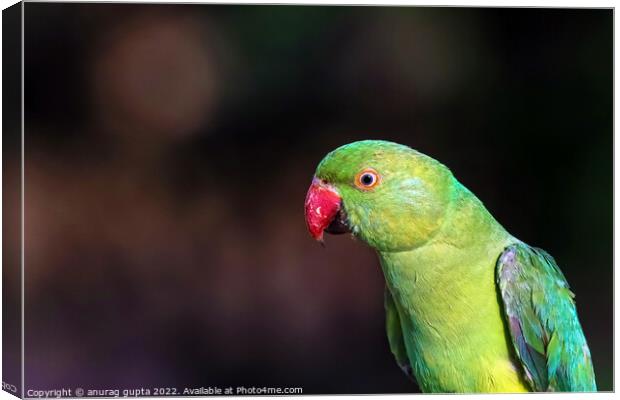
458,314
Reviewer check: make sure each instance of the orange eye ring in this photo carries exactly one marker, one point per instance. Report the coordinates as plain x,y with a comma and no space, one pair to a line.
367,179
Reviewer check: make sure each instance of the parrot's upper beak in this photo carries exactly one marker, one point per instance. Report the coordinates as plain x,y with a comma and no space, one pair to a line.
324,210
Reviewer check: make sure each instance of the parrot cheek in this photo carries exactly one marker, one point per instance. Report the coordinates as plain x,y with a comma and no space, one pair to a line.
321,207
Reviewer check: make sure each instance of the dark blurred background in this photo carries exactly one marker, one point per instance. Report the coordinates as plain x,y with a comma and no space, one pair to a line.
169,149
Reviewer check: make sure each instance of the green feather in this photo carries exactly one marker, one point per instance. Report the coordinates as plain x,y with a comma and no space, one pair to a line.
536,295
395,334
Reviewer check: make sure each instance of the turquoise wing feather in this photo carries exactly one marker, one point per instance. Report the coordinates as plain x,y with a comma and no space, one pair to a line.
542,320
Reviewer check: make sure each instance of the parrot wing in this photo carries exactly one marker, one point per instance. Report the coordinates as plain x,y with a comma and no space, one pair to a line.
395,335
541,317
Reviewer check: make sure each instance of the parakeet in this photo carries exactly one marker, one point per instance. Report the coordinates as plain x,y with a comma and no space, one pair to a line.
469,307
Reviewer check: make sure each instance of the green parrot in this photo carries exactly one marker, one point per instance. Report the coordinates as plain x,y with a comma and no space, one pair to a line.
469,307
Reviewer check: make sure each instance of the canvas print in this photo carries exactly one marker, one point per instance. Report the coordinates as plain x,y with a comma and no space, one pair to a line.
233,199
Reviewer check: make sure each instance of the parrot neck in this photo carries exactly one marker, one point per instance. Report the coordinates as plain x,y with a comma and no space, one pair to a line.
467,226
445,289
468,236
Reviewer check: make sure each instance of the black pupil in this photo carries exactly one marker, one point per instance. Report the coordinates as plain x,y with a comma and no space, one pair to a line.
367,179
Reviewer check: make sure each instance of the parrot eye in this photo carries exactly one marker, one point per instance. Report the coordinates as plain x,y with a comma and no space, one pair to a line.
367,179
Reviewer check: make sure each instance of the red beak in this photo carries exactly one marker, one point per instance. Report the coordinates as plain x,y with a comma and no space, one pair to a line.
322,206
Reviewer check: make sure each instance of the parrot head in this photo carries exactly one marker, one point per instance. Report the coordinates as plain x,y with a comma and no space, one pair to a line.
388,195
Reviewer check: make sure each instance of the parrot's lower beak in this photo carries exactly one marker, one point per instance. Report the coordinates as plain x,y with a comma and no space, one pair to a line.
324,211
